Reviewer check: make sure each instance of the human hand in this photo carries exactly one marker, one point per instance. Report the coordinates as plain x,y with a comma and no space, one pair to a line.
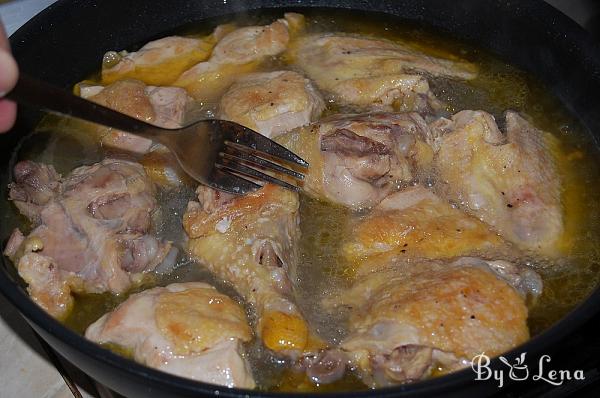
8,78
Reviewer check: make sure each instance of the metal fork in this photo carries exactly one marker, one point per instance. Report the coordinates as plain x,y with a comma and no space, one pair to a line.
224,155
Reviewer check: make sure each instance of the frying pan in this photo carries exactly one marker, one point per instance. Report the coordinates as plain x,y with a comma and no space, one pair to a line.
65,43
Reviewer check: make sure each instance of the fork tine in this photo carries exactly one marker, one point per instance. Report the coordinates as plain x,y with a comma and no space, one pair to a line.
228,182
239,168
255,161
248,138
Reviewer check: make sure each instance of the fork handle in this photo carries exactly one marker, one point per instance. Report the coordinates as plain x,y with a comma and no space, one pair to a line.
39,94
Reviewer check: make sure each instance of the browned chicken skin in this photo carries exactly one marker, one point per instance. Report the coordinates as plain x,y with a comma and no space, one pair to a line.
91,230
188,329
272,103
510,181
373,74
160,62
240,51
408,318
416,223
251,242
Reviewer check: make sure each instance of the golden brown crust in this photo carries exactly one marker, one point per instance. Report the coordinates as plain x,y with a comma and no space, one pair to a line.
197,319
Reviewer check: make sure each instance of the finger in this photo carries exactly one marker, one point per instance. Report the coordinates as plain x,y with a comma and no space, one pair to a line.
8,77
3,39
8,113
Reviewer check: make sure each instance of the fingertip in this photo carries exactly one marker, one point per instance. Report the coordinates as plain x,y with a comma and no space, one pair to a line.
4,45
8,115
10,72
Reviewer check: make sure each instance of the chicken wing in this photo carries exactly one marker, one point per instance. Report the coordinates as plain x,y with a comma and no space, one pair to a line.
416,223
250,242
188,329
510,182
373,74
240,51
411,319
272,103
91,230
357,160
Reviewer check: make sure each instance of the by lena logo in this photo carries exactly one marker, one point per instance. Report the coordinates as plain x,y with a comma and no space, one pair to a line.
519,371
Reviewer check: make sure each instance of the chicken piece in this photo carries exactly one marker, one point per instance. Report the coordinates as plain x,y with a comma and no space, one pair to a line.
510,182
37,184
250,241
372,73
272,103
416,223
163,169
47,285
240,51
15,240
411,318
160,62
91,232
187,329
357,160
169,104
161,106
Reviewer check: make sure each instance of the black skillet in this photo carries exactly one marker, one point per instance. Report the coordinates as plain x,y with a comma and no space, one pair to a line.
65,43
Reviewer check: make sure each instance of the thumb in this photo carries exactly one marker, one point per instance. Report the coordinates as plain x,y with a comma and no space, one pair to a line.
8,78
8,72
8,66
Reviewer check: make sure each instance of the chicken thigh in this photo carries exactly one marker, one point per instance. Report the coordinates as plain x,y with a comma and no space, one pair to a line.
187,329
509,181
91,230
161,106
240,51
160,62
416,223
410,319
250,242
357,160
372,73
272,103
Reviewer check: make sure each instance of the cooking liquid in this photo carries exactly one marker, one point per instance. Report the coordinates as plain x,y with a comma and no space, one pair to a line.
567,280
